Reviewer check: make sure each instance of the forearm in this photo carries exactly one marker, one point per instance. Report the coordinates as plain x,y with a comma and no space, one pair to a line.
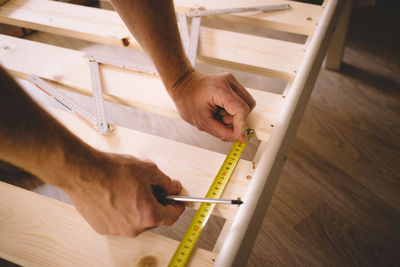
34,141
153,24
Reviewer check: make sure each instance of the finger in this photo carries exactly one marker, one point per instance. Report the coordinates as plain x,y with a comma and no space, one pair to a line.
239,127
171,214
243,93
224,116
238,109
171,187
227,119
218,129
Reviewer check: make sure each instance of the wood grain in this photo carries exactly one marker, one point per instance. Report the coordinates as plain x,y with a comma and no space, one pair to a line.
105,26
70,68
338,201
46,232
194,167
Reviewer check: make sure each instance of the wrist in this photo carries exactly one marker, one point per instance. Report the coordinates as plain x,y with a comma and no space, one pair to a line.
182,83
78,167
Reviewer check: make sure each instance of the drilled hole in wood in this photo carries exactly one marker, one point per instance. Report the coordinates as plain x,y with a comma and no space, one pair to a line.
272,125
125,41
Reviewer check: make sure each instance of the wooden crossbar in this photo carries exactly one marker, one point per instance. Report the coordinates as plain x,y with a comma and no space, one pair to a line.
39,231
270,57
70,68
194,167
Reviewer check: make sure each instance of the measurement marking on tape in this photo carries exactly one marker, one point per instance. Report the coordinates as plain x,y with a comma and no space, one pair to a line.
202,215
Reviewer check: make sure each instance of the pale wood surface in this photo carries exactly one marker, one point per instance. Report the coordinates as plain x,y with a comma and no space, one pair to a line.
276,58
70,68
294,20
193,166
302,18
38,231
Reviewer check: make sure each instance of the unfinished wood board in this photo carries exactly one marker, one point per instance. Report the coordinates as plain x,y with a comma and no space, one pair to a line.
39,231
301,18
69,67
67,19
252,54
268,56
194,167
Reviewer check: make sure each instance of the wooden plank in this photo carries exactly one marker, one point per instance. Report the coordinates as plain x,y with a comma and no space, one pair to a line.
39,231
69,68
268,56
301,18
194,167
251,54
86,23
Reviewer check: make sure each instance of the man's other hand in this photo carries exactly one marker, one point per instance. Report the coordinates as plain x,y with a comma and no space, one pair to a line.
214,103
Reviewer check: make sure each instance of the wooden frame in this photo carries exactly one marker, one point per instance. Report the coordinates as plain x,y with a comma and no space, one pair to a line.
55,234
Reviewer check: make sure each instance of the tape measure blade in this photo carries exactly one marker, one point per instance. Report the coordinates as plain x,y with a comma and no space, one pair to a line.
202,215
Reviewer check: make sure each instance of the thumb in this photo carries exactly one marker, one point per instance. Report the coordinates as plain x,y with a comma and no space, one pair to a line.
171,187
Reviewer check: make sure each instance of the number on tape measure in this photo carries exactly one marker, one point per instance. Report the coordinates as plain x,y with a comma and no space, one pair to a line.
202,215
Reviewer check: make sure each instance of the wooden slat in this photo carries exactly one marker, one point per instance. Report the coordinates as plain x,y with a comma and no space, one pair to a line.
251,54
39,231
302,18
86,23
69,68
194,167
268,56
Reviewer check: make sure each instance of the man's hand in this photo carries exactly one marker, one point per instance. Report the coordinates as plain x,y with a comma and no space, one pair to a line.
118,200
214,103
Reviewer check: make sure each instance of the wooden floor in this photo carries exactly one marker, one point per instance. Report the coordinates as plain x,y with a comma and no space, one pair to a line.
338,200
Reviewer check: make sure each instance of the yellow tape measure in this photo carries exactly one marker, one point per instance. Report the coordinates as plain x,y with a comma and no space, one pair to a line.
189,240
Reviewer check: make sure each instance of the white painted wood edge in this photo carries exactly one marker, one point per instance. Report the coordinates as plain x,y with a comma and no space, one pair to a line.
245,228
